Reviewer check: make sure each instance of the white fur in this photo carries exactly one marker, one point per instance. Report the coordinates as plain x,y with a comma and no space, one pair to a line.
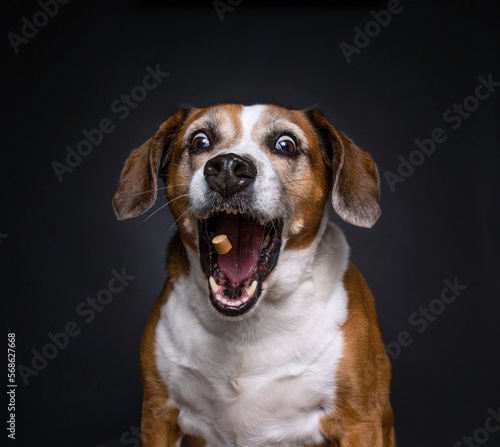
267,185
265,379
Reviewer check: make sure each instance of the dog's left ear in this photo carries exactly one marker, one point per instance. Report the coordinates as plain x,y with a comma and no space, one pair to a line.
137,189
356,185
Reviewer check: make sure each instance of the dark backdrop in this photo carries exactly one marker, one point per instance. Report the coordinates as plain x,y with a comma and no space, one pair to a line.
61,245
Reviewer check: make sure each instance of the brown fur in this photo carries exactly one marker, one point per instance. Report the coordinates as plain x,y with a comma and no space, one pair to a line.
363,415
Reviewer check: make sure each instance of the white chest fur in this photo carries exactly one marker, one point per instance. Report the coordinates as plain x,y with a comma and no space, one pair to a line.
264,380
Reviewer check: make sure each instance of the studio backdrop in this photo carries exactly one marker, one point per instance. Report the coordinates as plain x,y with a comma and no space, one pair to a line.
414,83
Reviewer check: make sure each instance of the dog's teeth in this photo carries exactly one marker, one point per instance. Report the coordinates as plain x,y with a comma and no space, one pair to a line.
224,301
237,303
227,210
213,285
245,299
262,221
206,215
266,241
234,211
253,287
249,291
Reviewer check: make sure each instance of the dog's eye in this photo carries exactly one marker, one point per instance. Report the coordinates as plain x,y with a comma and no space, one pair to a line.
286,143
200,141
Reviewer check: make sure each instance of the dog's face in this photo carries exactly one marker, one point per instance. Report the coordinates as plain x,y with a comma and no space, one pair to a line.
261,175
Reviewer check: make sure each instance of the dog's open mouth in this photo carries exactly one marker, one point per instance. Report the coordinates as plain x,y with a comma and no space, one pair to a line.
236,277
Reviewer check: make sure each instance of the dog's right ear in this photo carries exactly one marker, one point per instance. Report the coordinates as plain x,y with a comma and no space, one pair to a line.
137,189
356,185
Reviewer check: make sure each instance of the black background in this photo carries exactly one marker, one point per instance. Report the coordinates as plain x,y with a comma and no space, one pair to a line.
60,241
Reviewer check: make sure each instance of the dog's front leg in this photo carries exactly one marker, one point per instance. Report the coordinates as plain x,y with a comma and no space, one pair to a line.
159,426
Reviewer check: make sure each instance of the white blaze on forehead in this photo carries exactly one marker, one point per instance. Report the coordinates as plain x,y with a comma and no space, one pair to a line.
271,118
249,118
266,200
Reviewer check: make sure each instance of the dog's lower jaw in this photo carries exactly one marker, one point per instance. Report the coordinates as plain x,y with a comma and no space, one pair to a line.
235,279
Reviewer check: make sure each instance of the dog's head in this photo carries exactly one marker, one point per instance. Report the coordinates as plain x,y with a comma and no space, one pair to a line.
261,175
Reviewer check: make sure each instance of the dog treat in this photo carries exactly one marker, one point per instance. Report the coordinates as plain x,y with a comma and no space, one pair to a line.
222,244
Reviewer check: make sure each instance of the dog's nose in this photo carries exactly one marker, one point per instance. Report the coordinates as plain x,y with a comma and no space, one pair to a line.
228,174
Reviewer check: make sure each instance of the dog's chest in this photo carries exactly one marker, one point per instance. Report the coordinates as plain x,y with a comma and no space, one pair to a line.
264,393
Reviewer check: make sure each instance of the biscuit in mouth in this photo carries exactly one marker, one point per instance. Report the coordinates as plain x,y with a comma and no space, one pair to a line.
235,278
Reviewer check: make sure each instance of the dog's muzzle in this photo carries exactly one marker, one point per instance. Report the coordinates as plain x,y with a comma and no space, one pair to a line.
236,277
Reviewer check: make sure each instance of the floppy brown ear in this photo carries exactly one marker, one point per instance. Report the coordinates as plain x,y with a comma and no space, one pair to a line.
356,185
137,189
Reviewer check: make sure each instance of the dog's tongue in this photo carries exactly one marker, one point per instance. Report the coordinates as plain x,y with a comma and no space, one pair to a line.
246,236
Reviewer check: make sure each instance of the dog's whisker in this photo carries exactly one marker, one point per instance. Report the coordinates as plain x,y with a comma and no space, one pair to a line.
177,184
152,214
180,217
149,190
298,180
166,204
291,194
161,188
177,198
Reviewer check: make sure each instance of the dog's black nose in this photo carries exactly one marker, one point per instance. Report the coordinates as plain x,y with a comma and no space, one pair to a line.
228,174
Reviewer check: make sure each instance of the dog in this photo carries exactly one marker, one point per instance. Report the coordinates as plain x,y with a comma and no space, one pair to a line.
275,342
